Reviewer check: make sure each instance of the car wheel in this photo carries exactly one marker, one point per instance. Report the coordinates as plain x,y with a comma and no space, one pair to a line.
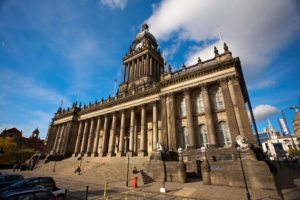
61,197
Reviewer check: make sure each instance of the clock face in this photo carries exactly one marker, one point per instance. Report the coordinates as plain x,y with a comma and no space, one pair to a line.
139,45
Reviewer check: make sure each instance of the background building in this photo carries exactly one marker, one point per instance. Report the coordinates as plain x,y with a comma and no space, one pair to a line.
33,142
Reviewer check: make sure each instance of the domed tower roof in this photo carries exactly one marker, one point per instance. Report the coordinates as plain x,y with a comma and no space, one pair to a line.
145,34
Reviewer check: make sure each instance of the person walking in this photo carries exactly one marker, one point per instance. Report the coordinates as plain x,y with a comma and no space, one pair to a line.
78,170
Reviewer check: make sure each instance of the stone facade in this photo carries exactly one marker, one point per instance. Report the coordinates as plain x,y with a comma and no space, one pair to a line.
198,105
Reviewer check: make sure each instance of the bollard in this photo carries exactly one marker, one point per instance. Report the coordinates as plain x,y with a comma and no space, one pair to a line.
86,192
134,182
105,188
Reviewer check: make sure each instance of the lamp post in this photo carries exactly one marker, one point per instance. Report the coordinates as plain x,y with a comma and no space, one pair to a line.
54,162
284,118
244,177
127,171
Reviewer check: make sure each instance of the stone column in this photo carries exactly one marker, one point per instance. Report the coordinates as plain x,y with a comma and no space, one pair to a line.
59,147
231,119
66,137
84,138
209,118
112,138
128,71
172,143
122,134
151,72
154,126
143,131
240,110
97,135
105,136
162,135
131,136
134,69
56,138
79,138
189,116
124,73
91,137
147,64
154,69
143,65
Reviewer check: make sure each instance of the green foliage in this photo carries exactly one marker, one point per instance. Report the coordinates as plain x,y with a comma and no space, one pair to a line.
13,157
293,152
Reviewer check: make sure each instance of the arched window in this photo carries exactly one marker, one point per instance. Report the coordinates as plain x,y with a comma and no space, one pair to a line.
217,99
185,137
199,103
224,134
182,107
203,135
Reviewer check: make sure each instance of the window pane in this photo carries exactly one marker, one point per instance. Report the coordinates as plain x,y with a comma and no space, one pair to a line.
185,137
199,103
182,108
225,138
203,135
217,99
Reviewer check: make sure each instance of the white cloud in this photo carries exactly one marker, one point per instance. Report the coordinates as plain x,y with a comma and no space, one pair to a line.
266,83
254,30
112,4
264,111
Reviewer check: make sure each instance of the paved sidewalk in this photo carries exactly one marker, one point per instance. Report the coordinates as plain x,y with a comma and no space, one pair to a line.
190,190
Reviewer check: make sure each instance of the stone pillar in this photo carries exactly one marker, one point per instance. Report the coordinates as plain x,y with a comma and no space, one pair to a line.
50,138
142,151
147,64
231,119
172,141
209,118
62,132
79,138
56,138
122,134
91,135
154,126
105,136
132,125
112,138
84,138
134,69
151,72
162,135
66,137
189,116
240,110
124,73
97,135
143,65
128,71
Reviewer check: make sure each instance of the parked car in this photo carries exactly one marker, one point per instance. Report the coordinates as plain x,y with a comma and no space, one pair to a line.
9,179
29,183
31,194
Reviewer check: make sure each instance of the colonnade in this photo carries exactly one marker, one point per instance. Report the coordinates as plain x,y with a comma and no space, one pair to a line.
143,65
116,133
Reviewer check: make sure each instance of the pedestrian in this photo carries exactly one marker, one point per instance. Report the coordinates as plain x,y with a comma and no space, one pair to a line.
77,170
134,171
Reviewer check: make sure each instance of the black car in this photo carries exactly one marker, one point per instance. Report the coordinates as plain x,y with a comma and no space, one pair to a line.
29,183
8,179
33,194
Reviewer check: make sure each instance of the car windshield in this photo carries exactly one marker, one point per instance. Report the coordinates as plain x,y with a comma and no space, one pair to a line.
20,183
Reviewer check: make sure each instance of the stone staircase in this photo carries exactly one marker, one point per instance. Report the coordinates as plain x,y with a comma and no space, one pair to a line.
99,169
146,178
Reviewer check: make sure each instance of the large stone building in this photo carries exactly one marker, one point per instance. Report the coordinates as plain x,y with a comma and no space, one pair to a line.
198,105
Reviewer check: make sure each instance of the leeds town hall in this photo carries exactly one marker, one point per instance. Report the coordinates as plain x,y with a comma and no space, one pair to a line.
185,121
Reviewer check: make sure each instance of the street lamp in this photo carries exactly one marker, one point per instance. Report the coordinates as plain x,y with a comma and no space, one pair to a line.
284,118
244,177
127,171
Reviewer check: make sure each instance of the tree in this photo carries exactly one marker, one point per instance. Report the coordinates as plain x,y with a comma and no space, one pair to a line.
6,143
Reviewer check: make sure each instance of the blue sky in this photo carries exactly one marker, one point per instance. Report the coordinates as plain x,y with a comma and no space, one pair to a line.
50,50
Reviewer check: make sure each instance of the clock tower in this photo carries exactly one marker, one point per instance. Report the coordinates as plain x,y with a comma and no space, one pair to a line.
143,63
